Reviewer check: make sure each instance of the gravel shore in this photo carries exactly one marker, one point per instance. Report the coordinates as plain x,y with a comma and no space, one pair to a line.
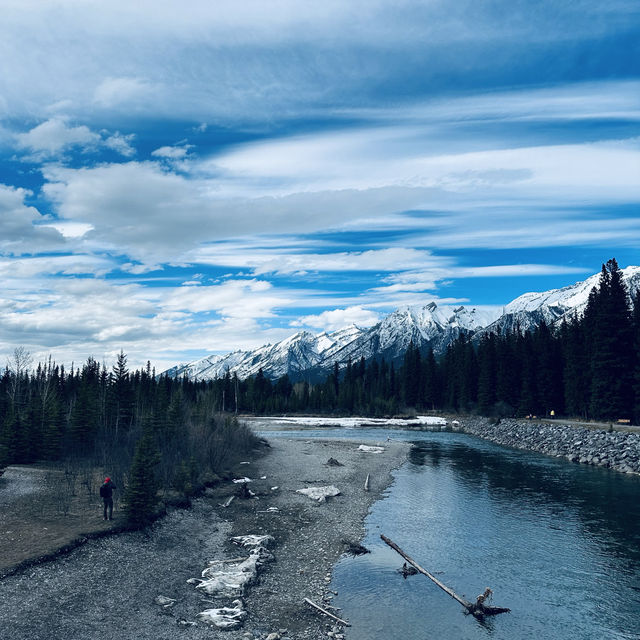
617,450
108,587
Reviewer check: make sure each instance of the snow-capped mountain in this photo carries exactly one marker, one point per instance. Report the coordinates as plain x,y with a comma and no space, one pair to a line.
528,310
308,356
294,356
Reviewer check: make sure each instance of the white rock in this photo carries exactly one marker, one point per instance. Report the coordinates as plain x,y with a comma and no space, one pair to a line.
320,494
164,601
369,449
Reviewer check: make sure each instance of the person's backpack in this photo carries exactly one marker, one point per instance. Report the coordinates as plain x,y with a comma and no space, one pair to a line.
104,491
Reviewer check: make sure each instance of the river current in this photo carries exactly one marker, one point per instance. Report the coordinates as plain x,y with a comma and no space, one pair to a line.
558,543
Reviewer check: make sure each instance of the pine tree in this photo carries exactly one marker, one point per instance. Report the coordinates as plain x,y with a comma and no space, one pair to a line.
610,332
576,377
122,394
142,486
487,370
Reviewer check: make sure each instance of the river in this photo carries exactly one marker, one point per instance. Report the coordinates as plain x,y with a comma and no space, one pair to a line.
558,543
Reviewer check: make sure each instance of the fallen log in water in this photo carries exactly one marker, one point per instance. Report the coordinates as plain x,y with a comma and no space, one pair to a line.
477,608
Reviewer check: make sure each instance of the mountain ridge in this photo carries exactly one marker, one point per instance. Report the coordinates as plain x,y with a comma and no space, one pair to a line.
308,356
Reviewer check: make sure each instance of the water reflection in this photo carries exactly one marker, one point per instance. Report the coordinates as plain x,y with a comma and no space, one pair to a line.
558,542
606,502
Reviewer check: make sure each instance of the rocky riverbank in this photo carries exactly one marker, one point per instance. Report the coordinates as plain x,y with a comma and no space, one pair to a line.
618,450
158,584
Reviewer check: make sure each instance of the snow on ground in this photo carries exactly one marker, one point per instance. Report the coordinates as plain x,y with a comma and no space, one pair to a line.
354,421
320,494
369,449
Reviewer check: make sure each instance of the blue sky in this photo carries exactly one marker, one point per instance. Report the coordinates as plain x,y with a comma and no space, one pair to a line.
181,179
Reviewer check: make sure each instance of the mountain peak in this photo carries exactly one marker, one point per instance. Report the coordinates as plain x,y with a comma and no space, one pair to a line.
428,326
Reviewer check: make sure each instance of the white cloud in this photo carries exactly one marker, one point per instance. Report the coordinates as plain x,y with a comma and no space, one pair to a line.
339,318
19,231
402,157
121,143
113,92
55,135
70,229
417,280
392,259
55,265
154,214
173,153
231,299
253,59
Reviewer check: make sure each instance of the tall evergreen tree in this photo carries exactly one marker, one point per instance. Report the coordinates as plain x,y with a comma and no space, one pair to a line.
611,338
141,494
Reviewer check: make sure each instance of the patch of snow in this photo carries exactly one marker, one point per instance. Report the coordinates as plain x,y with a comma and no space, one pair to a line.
230,578
369,449
252,541
224,617
320,494
355,421
241,480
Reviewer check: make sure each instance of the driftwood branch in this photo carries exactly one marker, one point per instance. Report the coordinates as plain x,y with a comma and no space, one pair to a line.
366,483
326,613
478,608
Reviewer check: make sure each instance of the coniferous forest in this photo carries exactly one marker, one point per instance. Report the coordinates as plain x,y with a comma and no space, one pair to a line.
132,421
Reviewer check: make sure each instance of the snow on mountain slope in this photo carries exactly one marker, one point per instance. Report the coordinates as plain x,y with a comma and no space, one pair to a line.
308,356
529,309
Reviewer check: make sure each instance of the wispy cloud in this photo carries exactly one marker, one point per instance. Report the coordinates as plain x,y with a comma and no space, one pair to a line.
208,179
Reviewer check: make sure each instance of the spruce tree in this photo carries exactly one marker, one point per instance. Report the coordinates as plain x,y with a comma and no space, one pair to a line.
142,486
610,332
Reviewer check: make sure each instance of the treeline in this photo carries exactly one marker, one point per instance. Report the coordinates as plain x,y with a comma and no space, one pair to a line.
154,431
588,367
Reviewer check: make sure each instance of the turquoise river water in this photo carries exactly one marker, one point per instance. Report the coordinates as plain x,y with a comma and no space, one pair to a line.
558,543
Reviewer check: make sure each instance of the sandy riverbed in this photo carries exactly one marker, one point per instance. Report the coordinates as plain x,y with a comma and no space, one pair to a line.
107,588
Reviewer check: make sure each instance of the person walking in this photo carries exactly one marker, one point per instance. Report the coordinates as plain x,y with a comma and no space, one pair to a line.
106,493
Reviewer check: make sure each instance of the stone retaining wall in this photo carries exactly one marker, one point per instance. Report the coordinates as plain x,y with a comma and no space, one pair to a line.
616,450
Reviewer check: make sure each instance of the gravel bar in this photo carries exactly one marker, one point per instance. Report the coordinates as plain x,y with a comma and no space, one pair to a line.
108,588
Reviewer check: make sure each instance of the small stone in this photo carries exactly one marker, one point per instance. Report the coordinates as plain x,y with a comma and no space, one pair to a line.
273,636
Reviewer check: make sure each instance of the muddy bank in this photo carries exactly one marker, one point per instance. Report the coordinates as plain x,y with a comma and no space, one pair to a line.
110,587
618,450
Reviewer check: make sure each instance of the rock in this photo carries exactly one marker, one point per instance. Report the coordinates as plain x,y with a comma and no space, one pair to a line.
187,623
320,494
164,601
273,636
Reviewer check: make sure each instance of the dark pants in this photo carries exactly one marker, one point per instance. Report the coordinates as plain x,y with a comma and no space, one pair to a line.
108,503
